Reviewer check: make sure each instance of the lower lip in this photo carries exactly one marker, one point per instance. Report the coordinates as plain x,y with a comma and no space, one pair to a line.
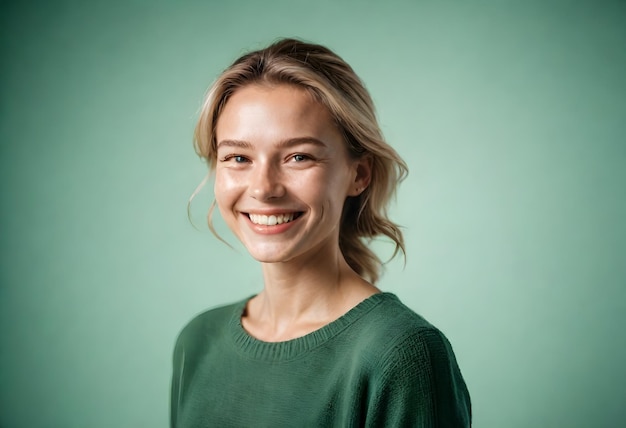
270,230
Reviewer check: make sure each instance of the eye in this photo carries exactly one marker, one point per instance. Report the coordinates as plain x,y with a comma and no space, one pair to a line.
299,157
235,159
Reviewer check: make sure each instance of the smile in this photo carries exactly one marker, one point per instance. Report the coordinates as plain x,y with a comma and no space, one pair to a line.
274,219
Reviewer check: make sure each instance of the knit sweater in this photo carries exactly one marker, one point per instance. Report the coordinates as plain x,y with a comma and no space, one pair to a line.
379,365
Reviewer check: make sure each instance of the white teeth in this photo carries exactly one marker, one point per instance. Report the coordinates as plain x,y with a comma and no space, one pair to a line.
271,220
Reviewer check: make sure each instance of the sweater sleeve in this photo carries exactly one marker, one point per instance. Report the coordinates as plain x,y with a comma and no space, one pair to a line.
419,384
176,385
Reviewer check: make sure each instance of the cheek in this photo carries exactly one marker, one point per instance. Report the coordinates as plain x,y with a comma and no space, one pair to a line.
226,188
326,191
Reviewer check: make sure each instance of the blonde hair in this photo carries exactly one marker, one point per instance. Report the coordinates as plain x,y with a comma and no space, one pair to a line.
333,83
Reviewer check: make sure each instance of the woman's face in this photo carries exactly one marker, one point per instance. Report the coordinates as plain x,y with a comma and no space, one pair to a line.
283,173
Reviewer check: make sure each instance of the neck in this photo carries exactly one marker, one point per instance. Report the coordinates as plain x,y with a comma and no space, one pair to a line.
302,295
293,288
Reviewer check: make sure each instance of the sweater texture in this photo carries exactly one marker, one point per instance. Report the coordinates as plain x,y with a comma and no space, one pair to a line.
379,365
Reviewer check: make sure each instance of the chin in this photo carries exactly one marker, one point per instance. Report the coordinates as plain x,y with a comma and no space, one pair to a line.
270,260
268,256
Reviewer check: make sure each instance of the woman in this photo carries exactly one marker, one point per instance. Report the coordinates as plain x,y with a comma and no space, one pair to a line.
302,177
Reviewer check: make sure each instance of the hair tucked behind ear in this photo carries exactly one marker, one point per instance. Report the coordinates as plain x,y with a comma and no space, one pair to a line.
333,83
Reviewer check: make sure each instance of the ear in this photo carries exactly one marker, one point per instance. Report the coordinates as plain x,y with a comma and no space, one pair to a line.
362,176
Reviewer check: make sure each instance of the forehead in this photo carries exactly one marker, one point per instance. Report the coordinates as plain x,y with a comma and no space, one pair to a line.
274,112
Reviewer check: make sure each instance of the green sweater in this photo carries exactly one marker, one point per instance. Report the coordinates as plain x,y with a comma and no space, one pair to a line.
379,365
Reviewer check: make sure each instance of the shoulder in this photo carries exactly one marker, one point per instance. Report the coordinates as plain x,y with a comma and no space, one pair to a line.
412,362
392,324
210,323
403,333
396,342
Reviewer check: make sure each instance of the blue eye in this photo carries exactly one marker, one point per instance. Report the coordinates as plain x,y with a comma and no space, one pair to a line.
235,159
300,158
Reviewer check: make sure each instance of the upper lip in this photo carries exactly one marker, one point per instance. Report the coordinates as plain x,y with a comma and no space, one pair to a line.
268,212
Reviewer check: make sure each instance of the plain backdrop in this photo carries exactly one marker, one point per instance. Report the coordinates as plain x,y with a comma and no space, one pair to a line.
511,116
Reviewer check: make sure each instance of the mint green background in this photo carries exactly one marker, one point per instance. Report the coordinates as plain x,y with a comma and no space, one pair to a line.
511,115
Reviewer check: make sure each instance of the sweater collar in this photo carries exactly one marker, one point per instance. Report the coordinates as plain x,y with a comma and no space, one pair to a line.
254,348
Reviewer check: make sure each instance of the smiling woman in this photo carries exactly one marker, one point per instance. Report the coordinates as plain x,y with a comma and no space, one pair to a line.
303,177
291,162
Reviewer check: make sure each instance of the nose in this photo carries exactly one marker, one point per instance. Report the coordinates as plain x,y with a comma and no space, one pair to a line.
266,182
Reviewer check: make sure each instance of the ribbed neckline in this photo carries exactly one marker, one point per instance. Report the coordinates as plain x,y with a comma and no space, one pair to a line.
291,349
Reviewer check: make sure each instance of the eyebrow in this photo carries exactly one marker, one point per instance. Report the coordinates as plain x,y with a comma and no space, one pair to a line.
290,142
234,143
